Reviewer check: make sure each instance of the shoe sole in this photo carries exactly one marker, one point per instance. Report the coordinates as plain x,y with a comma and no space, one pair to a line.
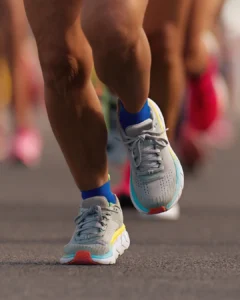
121,244
171,215
179,175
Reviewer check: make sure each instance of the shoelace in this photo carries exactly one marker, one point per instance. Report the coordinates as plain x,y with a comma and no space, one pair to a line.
92,222
146,151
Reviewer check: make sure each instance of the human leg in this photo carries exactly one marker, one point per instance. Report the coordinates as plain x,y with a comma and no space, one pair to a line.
71,101
26,143
120,48
165,26
77,122
121,54
203,123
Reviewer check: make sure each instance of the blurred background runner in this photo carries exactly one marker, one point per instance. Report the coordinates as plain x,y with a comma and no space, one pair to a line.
22,86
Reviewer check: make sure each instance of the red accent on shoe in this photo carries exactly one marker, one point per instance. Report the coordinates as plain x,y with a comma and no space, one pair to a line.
82,258
157,210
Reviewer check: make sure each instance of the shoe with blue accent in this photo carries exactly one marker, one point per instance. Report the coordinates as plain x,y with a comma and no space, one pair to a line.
156,178
100,236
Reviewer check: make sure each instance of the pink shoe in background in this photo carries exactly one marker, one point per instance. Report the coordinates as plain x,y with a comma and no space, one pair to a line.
205,127
27,147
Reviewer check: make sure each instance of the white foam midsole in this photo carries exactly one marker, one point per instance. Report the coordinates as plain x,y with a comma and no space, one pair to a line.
121,244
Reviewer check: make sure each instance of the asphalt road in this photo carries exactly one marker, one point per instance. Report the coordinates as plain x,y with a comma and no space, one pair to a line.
197,257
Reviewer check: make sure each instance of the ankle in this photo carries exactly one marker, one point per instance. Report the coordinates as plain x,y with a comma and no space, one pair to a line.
127,119
102,191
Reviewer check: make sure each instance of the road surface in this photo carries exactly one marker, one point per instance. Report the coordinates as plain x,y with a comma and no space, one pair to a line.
197,257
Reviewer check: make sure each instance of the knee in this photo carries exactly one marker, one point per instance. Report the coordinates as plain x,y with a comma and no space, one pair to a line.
165,46
63,66
110,35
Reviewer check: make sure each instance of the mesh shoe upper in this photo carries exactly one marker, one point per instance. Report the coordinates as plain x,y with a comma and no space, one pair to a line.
95,227
153,173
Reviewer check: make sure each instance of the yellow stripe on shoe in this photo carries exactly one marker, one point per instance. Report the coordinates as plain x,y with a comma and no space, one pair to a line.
117,234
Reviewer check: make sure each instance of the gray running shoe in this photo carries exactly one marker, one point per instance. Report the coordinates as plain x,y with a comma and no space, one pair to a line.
157,178
100,235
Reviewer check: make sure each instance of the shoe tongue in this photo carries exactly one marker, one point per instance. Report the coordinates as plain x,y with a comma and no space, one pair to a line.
137,129
95,201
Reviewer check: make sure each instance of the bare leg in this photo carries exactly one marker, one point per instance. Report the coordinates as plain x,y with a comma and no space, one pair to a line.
203,107
15,36
120,47
73,107
165,25
202,18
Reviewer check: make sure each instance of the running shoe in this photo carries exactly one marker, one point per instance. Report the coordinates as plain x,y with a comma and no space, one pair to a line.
123,193
26,147
100,236
156,175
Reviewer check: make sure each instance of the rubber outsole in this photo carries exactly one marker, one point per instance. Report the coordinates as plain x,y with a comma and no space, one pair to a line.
86,258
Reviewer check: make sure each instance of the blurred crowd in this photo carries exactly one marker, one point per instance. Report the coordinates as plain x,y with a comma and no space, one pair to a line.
22,96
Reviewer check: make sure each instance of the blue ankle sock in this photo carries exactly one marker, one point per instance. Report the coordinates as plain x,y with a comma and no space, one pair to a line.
104,191
127,119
